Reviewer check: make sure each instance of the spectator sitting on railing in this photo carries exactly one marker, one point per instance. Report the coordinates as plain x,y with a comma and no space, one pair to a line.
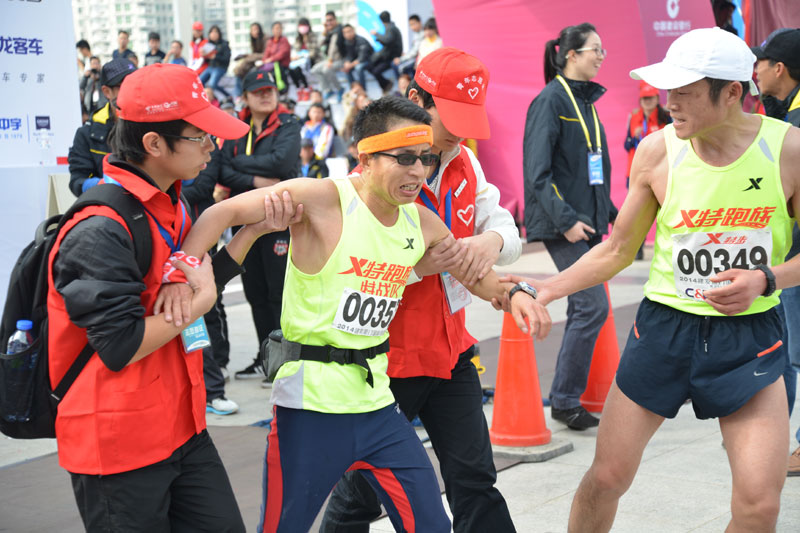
155,54
431,42
319,132
392,49
356,52
277,56
175,54
304,54
218,61
246,62
406,63
311,166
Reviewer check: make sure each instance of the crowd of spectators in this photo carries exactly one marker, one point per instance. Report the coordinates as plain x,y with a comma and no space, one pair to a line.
308,68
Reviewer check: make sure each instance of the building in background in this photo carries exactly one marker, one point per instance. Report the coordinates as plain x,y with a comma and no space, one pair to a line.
99,21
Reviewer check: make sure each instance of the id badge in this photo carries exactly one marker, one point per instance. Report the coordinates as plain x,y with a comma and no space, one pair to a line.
458,297
195,336
595,168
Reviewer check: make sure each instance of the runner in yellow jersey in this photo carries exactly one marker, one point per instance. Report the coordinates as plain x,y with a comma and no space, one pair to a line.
723,187
352,249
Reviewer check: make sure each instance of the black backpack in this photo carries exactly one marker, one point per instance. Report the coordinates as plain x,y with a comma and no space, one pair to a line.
22,384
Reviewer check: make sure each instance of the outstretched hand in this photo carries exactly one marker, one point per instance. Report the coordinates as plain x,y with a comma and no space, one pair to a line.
531,316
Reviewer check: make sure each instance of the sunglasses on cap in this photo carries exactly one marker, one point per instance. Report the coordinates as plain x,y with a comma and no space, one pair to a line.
407,160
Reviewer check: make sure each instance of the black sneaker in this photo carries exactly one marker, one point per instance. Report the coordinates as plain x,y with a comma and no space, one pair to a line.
576,418
255,370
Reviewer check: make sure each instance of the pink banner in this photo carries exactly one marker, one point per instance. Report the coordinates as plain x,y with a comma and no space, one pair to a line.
509,37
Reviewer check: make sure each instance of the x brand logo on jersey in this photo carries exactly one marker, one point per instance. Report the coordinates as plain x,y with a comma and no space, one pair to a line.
713,238
754,184
410,245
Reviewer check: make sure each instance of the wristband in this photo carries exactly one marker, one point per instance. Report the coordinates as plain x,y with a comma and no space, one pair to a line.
170,274
770,279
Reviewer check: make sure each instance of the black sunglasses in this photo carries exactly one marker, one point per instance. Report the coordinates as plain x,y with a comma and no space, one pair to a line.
407,160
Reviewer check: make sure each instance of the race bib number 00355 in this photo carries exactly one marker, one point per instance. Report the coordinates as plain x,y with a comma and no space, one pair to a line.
364,314
698,256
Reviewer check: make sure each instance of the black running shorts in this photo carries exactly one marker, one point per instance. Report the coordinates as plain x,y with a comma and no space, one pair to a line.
717,362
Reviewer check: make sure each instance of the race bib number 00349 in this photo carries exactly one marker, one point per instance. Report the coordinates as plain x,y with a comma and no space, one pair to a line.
698,256
364,314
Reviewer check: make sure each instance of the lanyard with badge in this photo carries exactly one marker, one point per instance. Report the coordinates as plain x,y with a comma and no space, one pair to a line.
458,297
594,157
195,335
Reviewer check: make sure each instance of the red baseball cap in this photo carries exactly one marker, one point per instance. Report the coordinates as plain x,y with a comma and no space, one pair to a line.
197,26
457,81
645,90
164,92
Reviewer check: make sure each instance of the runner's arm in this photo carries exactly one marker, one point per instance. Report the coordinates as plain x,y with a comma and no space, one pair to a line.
248,208
523,307
788,274
605,260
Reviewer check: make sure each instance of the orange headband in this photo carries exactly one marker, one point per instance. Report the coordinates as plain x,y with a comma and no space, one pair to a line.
396,139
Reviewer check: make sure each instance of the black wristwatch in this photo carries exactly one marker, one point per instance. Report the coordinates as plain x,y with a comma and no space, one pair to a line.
770,279
527,288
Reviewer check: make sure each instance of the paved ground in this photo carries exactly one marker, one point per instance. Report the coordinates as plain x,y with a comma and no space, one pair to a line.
683,484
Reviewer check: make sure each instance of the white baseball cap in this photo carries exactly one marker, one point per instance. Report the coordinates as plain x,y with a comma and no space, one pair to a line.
701,53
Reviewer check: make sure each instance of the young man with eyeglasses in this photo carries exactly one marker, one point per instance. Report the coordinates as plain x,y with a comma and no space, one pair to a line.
430,360
131,429
353,249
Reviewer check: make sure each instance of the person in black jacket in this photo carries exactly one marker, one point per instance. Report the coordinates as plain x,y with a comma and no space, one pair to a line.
90,146
356,53
218,63
568,207
392,43
269,153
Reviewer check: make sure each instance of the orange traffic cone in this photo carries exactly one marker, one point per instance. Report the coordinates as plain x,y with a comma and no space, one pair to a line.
518,418
605,361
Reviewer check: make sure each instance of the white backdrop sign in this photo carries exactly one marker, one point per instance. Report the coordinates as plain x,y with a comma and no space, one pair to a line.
39,113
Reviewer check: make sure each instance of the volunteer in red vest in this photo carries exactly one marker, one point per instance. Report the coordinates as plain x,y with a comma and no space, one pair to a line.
199,49
430,366
131,430
644,120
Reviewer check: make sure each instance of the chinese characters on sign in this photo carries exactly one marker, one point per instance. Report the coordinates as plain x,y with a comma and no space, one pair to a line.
20,46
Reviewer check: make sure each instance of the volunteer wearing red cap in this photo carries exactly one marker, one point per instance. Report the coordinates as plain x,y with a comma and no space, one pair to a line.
644,120
350,258
567,178
131,430
430,358
199,48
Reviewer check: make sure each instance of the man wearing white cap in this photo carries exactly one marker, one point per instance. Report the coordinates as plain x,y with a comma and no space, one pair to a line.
723,186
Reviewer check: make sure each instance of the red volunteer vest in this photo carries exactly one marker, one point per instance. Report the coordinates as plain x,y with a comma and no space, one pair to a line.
637,120
425,338
111,422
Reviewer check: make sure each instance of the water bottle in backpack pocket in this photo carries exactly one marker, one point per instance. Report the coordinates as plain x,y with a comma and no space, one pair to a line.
17,367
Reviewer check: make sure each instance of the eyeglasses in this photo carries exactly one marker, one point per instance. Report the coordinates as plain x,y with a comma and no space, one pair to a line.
599,52
200,139
407,160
